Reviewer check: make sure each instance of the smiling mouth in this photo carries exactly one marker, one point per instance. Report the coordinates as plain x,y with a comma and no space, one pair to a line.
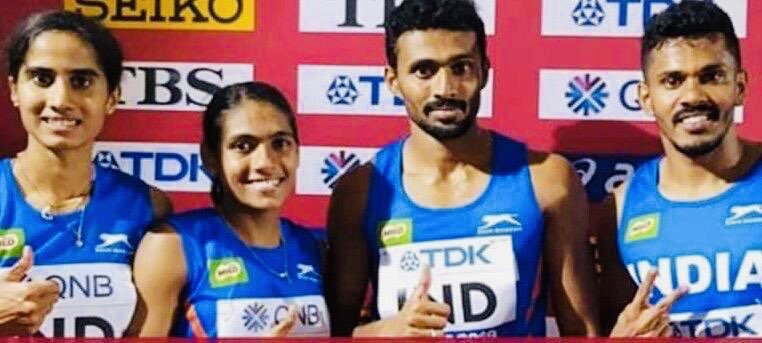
265,185
61,122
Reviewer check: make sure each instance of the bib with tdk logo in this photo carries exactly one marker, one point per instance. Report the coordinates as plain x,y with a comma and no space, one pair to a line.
713,246
234,290
484,257
97,297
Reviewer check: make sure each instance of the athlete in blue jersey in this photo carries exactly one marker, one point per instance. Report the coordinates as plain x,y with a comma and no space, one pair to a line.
489,218
83,222
694,214
235,270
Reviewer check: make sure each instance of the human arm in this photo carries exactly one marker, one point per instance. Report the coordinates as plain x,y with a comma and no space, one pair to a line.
567,253
162,207
158,284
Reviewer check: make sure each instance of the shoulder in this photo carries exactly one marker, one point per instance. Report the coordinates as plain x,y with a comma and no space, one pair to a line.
553,177
305,233
355,182
186,221
162,206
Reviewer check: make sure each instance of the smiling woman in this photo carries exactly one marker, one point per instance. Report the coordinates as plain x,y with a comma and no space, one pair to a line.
238,269
64,81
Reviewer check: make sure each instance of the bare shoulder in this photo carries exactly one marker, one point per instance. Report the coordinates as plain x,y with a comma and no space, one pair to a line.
162,207
161,243
553,177
354,182
348,200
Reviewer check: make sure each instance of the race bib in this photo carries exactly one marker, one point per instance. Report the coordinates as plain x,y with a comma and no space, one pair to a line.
95,299
255,317
476,276
741,321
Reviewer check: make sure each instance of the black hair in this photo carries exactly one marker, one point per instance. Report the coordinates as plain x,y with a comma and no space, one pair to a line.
229,97
104,44
689,19
455,15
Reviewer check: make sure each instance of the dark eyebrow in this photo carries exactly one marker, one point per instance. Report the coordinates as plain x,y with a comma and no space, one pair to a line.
81,71
712,68
85,72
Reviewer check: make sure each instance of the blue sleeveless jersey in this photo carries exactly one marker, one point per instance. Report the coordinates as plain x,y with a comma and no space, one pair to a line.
97,296
484,257
232,289
714,246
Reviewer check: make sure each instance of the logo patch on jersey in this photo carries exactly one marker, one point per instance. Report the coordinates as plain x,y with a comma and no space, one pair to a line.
744,214
493,224
642,227
308,272
114,243
227,271
395,232
11,243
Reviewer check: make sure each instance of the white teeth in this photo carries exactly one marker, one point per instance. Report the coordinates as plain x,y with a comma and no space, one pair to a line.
61,122
265,185
694,120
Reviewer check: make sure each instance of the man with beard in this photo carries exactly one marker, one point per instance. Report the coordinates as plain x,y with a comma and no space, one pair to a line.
476,215
693,214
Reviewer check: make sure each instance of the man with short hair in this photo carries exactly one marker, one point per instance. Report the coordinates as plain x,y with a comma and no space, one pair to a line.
694,213
477,216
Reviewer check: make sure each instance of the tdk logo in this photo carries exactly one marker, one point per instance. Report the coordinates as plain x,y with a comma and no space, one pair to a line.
177,86
588,13
357,90
715,327
170,167
587,94
342,90
619,18
455,256
338,164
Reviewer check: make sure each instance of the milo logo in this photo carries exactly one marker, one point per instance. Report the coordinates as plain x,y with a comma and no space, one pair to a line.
642,227
395,232
227,271
11,243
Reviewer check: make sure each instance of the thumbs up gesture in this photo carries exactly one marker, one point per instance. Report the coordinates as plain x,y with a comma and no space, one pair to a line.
420,316
24,305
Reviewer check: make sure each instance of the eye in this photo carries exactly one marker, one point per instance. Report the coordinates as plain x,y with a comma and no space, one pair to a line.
461,68
81,81
282,143
243,146
714,76
672,81
424,70
42,78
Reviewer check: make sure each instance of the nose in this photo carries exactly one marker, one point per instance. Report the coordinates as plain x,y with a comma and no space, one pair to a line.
444,84
60,97
693,93
263,160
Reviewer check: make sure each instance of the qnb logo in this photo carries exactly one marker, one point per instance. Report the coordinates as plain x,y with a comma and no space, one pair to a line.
255,317
106,159
342,91
588,13
587,94
748,214
410,262
336,165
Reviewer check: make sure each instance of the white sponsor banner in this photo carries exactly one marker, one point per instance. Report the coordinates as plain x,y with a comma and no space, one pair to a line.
739,321
321,166
177,86
358,90
174,167
365,16
618,18
571,94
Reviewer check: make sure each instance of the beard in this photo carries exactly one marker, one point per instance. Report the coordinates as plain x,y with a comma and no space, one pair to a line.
700,149
454,130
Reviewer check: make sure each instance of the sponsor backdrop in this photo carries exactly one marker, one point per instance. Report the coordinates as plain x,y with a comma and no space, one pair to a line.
563,79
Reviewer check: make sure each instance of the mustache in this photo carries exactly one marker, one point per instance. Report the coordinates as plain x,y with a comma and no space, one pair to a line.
445,104
711,110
